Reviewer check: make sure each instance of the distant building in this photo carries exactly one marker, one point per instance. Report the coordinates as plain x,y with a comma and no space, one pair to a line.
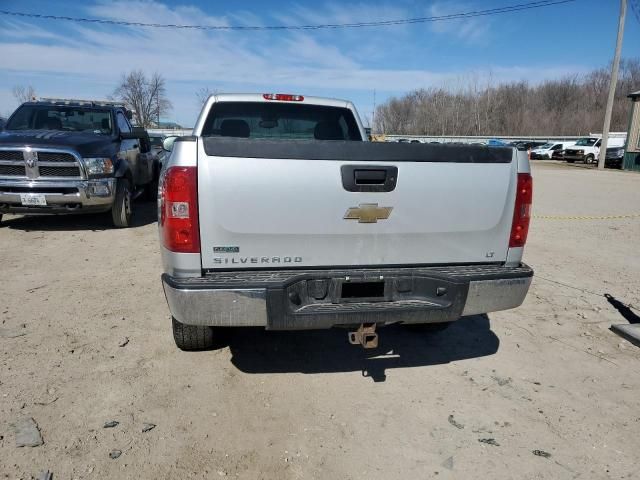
632,149
168,125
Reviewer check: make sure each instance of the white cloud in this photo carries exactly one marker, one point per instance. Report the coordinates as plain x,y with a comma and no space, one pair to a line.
90,59
469,30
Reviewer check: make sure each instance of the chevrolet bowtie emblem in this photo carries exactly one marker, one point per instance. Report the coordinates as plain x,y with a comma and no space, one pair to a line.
368,213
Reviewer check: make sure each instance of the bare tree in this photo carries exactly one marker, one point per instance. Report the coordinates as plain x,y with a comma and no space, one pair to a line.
146,97
23,93
203,94
573,105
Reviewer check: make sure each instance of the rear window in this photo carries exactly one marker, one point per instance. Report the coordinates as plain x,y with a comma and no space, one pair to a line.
284,121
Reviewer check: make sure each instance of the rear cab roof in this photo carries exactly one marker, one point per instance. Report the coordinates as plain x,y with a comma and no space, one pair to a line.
259,97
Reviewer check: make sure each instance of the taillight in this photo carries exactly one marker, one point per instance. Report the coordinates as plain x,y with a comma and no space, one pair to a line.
179,210
522,211
284,97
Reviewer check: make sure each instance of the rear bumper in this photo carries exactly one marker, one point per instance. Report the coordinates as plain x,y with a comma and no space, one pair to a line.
306,299
64,196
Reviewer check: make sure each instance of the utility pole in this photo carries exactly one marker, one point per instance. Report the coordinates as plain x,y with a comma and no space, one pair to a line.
612,86
373,115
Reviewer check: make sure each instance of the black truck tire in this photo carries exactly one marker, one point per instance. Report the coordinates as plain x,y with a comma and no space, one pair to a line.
122,209
193,337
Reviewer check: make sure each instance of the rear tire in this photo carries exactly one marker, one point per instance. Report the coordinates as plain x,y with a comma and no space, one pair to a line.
122,209
192,337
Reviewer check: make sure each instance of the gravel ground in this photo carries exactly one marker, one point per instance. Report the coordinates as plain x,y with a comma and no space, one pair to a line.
544,391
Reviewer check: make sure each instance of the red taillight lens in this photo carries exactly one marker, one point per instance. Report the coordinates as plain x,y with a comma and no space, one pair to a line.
522,211
179,210
284,97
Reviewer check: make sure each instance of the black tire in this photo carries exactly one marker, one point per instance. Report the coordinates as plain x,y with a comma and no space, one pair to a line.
122,209
589,159
428,327
193,337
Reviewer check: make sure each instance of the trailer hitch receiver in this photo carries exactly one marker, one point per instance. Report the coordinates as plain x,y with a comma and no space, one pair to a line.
365,335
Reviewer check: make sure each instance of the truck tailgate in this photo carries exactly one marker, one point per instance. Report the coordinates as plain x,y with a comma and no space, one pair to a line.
269,204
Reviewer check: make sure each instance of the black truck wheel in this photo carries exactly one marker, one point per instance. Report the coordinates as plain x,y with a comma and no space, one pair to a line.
122,209
193,337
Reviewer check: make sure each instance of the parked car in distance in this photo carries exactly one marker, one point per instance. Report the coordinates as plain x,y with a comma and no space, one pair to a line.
614,157
75,156
587,149
277,213
527,145
548,150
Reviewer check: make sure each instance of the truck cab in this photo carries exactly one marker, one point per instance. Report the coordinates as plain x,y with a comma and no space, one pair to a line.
74,156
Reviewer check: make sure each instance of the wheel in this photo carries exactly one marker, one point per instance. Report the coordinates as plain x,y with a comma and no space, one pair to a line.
192,337
428,327
589,159
122,209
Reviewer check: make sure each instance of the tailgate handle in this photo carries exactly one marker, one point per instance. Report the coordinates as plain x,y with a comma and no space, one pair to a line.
369,178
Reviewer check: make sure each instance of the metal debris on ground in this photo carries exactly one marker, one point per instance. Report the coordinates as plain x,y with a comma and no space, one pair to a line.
147,427
113,454
45,475
27,433
541,453
453,422
124,342
630,332
111,424
489,441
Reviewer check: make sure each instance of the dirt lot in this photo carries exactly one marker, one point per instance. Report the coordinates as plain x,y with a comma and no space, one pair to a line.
474,401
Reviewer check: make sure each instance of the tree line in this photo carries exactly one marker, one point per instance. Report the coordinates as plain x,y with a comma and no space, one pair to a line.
572,105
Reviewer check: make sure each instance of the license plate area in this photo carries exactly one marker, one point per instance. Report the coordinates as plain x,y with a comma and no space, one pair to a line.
33,199
357,291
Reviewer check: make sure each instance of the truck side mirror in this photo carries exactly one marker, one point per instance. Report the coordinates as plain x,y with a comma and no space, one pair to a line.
167,143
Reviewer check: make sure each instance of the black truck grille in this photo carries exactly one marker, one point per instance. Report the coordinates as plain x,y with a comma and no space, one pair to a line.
59,172
11,155
12,170
55,157
50,164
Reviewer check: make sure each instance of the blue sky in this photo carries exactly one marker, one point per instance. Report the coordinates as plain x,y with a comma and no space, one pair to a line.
85,61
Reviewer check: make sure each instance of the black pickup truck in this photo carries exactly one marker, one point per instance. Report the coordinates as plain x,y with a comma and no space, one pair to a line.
75,156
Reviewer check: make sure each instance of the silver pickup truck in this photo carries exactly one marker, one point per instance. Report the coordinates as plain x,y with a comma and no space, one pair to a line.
277,213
